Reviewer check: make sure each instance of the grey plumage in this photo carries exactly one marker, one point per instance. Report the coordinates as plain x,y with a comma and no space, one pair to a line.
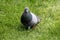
28,19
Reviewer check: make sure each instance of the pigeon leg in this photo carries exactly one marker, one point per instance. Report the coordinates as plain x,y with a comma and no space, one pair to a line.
29,27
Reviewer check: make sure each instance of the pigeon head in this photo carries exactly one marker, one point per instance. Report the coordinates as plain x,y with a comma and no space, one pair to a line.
26,10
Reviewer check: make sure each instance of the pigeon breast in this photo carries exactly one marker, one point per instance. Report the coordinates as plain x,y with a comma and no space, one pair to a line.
26,19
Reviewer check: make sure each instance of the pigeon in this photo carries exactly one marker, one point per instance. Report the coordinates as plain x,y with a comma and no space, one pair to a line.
29,19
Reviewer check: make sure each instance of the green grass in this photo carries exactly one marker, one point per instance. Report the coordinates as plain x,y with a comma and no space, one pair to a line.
47,29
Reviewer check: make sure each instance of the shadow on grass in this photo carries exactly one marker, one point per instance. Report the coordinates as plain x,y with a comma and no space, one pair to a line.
22,28
18,27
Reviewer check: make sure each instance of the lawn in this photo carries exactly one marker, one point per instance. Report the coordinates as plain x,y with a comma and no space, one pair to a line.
12,29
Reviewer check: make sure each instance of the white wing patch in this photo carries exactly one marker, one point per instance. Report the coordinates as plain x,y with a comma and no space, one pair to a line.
34,18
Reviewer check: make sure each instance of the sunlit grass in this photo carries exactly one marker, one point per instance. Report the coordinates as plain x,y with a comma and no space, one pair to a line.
12,29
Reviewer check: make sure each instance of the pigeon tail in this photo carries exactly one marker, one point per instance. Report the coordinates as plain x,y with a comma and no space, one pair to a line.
38,19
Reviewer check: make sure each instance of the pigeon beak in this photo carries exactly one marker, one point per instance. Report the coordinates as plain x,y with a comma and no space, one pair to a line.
26,10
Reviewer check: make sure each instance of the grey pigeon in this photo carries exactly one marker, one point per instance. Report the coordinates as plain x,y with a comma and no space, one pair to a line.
28,19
